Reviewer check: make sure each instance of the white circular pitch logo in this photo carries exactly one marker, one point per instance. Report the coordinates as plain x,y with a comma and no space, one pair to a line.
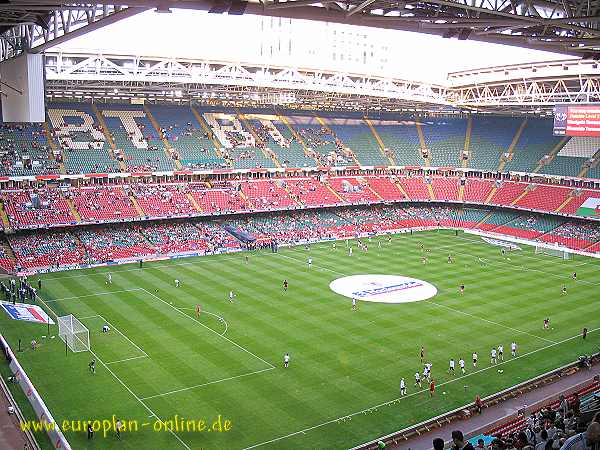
383,288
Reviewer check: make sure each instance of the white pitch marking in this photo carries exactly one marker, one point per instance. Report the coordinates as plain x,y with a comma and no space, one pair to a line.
212,314
93,295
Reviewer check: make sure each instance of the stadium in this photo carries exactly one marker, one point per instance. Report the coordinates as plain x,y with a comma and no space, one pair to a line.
300,225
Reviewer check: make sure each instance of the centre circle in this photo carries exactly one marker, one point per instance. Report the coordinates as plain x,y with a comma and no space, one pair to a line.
383,288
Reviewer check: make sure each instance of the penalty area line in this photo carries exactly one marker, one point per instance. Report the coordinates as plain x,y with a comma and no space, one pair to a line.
398,399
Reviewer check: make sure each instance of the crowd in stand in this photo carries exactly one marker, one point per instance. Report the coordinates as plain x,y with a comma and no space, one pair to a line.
21,145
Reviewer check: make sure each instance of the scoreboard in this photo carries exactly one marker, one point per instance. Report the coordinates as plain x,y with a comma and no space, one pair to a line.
580,120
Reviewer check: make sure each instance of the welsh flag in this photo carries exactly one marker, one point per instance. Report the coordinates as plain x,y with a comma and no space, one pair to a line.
591,207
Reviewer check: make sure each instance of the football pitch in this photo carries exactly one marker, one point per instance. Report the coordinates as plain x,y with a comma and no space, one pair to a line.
159,360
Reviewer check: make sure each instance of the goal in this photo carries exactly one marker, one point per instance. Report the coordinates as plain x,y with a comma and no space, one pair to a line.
74,333
559,252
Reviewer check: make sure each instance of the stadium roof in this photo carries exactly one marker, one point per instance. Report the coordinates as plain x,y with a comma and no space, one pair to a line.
565,26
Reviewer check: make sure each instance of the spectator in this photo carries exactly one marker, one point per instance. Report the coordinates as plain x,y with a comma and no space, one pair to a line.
480,443
438,444
458,441
541,445
581,441
576,405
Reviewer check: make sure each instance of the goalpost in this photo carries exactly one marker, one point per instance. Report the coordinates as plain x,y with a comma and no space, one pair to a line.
73,333
559,252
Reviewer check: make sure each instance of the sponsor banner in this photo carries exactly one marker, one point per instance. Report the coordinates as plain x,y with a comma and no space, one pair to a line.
28,313
383,288
500,243
590,208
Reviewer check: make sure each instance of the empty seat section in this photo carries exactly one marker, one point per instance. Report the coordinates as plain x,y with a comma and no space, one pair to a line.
498,218
327,149
415,188
401,141
218,200
445,189
544,198
385,188
445,139
569,161
490,138
574,235
535,142
477,191
529,226
507,193
312,192
353,190
115,243
356,134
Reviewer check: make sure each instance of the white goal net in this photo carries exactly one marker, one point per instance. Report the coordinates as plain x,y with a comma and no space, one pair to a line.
74,333
558,252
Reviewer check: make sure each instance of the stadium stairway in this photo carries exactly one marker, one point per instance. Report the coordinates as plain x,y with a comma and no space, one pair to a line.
379,142
168,148
330,131
193,201
557,148
423,144
269,155
108,135
73,210
137,206
4,217
567,200
586,168
401,188
511,148
297,136
54,147
208,131
467,146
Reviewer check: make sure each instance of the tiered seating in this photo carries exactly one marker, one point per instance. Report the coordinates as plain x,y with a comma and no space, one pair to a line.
385,188
507,193
311,192
268,195
49,249
327,148
81,138
490,138
498,218
352,190
573,156
415,188
280,140
376,218
110,244
216,237
24,150
476,191
469,217
174,237
445,139
535,142
579,197
103,203
574,235
6,263
54,208
218,200
401,141
529,227
544,198
421,217
356,134
193,145
163,200
135,136
445,189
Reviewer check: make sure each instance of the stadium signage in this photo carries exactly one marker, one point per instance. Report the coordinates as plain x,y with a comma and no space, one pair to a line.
383,288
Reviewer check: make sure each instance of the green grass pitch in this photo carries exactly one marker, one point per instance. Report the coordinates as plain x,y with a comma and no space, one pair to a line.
342,387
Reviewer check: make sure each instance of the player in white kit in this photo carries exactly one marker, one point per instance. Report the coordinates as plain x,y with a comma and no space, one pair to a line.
349,251
451,368
461,363
108,278
493,356
417,379
474,359
402,387
309,263
513,349
231,295
501,352
286,360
